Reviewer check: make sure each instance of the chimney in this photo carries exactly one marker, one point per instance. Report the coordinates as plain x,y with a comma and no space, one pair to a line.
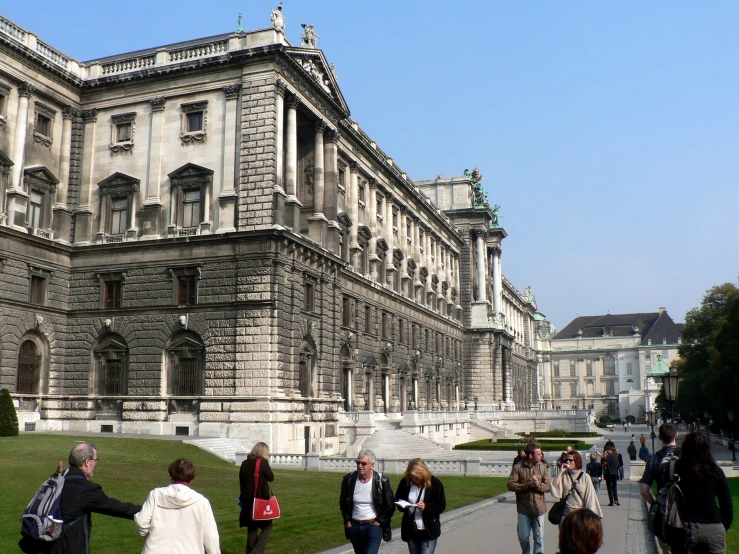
662,310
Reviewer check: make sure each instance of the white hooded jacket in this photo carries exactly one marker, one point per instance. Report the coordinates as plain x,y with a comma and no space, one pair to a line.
177,520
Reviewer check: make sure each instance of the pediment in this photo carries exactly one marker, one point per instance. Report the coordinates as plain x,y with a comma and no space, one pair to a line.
190,171
344,219
314,65
4,160
40,173
364,232
119,180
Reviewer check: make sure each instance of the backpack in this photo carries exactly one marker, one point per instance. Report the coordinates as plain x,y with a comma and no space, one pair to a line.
666,518
42,518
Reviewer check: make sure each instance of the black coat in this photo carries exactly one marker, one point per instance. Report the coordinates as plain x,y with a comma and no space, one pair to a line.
80,498
382,498
246,481
435,501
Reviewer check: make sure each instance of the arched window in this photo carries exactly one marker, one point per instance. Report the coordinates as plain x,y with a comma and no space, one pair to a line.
29,368
186,359
111,366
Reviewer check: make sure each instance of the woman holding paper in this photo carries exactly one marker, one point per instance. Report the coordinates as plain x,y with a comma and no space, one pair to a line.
421,497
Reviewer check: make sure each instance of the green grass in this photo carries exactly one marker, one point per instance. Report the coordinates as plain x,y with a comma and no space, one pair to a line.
130,468
732,536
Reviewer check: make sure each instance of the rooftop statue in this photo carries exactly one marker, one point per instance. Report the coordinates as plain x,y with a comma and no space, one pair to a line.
278,19
480,196
309,36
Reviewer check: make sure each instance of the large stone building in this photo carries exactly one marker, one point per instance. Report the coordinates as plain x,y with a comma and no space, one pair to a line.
608,361
198,239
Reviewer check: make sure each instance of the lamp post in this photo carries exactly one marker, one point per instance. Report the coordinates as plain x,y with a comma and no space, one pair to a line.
651,414
731,436
670,384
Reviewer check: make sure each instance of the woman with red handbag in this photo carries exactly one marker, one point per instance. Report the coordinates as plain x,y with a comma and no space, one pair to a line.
258,530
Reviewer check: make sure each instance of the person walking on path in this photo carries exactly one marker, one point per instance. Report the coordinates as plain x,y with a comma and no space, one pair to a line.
610,473
626,426
643,450
81,497
575,486
257,532
702,483
581,532
530,481
520,457
367,505
420,527
176,518
595,470
631,450
653,470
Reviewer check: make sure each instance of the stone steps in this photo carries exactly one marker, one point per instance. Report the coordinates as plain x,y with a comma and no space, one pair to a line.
396,443
223,448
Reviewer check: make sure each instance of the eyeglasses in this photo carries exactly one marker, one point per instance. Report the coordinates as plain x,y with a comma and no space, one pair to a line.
96,460
363,463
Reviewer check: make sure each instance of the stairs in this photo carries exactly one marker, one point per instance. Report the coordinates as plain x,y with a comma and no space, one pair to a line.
484,429
223,448
390,443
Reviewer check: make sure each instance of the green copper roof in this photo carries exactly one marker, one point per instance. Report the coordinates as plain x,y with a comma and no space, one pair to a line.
658,369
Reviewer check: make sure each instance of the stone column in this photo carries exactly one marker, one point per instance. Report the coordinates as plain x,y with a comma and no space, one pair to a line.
279,189
507,378
406,286
227,195
353,181
331,190
62,221
417,284
132,231
389,236
480,265
17,197
292,204
84,214
103,207
373,259
317,222
497,279
448,261
152,210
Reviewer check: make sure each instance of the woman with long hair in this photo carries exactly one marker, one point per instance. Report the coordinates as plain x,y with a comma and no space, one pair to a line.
576,486
424,493
702,482
257,531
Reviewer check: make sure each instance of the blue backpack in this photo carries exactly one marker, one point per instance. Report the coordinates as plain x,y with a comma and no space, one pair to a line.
42,518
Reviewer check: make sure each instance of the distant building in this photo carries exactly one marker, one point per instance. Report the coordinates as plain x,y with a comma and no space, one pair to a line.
604,361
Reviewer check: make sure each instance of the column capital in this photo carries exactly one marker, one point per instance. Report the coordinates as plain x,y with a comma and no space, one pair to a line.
333,136
320,126
354,165
280,87
68,112
26,89
496,250
373,183
403,209
232,91
90,116
293,101
157,104
479,232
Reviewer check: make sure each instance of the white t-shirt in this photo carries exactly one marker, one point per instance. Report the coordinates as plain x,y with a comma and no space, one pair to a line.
414,498
363,508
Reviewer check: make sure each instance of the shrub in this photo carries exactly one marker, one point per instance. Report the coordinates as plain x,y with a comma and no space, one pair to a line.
564,433
605,419
631,419
8,417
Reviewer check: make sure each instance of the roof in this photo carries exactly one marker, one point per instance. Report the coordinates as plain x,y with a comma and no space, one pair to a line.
651,326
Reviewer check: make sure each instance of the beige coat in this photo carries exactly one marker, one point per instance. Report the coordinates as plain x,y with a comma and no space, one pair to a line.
584,495
529,501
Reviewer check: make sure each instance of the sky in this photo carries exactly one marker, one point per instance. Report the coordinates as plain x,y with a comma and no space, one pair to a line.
607,131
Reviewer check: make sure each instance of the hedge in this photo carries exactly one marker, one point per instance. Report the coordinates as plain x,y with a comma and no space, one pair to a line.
565,433
8,417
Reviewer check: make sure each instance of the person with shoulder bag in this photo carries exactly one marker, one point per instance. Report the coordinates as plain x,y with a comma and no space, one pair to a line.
424,502
574,489
257,531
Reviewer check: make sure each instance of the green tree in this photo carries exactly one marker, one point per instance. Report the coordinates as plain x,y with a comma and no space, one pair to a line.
8,417
709,357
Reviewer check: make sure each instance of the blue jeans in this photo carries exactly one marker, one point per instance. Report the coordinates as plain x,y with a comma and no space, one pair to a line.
421,546
527,525
596,484
366,538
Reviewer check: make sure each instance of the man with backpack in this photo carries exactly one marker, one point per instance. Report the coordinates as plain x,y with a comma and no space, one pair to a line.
79,498
654,471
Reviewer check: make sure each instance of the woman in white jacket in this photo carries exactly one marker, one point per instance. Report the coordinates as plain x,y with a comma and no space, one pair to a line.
176,519
575,485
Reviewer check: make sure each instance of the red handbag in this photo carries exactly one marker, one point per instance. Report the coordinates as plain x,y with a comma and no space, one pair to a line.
263,510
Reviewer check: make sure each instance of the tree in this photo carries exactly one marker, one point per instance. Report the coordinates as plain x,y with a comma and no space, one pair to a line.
709,357
8,417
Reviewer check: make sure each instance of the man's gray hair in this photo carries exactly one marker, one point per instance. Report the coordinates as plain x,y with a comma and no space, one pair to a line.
81,453
366,453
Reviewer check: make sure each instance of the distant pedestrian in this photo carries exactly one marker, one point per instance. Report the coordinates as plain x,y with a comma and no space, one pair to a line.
610,473
420,527
595,470
530,481
575,485
643,452
520,458
581,532
628,422
631,450
257,531
620,466
626,427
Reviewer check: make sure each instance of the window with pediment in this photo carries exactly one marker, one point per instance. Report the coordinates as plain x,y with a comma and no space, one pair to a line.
363,238
117,202
190,194
111,366
185,356
40,185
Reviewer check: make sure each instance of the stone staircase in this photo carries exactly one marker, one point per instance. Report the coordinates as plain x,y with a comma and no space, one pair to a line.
392,442
223,448
485,429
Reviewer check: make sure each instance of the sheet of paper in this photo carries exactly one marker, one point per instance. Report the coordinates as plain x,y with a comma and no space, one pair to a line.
404,504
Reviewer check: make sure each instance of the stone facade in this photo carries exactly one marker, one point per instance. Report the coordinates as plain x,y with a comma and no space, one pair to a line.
198,239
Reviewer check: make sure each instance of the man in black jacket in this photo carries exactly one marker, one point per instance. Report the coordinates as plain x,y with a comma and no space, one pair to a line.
81,497
367,505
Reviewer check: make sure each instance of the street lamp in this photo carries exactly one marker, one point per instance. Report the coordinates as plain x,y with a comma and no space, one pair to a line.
670,384
731,436
651,414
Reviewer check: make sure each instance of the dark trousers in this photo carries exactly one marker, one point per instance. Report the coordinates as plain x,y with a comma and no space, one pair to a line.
366,538
257,536
612,485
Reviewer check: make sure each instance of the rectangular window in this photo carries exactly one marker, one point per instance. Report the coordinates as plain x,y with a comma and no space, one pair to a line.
384,327
628,368
43,125
35,209
187,289
113,291
589,367
573,369
665,354
438,344
342,177
123,132
401,331
308,297
558,390
38,290
447,347
395,218
367,319
414,336
610,388
191,208
345,312
119,216
362,193
556,369
194,122
426,338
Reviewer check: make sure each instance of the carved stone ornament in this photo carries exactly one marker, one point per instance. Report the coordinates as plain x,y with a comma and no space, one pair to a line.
416,355
107,324
309,174
68,112
157,104
90,116
309,39
182,321
411,263
308,329
38,321
312,67
26,89
387,349
496,250
348,340
278,19
232,91
424,273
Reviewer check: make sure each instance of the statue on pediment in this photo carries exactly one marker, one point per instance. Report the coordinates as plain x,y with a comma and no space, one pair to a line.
310,37
278,19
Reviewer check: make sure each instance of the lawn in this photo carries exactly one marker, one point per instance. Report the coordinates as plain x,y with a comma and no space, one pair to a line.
130,468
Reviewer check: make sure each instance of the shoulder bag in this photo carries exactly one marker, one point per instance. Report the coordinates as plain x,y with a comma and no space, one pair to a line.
263,510
558,509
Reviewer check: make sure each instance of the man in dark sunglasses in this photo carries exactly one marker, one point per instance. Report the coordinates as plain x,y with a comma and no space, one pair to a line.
367,505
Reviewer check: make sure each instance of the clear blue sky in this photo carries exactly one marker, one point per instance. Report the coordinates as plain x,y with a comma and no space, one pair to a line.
606,130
